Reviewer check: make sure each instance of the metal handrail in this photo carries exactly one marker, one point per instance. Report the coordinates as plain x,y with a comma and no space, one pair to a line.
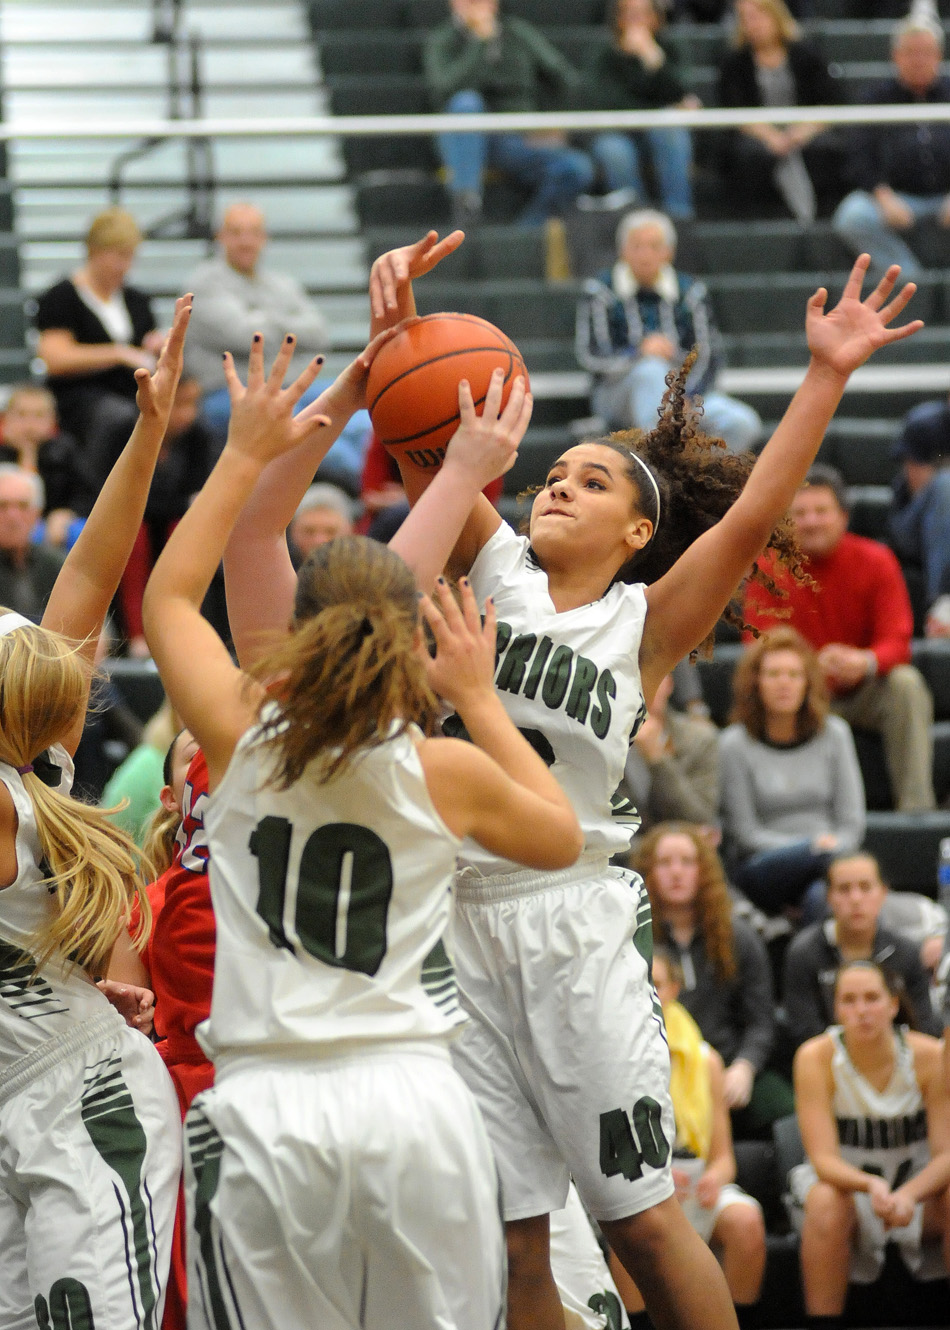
185,104
345,126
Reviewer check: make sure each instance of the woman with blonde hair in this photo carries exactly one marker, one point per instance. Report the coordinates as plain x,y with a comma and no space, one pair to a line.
89,1157
792,792
772,65
727,979
339,1170
95,331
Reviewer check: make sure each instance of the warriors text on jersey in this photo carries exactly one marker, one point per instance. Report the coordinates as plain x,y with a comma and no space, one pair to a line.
570,682
331,900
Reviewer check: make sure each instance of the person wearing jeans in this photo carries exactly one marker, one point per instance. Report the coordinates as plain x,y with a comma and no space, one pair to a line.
903,170
639,320
478,61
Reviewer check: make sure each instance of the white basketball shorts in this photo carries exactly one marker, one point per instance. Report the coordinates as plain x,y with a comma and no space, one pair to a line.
565,1049
357,1191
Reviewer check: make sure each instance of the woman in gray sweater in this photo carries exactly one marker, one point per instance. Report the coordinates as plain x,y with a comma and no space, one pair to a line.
792,793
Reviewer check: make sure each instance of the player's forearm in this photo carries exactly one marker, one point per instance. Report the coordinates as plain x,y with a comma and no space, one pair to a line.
490,727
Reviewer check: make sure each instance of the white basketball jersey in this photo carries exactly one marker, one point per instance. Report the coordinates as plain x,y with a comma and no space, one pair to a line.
34,1007
570,682
331,901
880,1131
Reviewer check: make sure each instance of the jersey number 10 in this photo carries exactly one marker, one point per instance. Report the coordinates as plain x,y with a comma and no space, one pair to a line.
340,900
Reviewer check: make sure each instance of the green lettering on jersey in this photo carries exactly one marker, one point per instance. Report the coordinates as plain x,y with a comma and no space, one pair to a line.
510,676
557,677
537,666
585,676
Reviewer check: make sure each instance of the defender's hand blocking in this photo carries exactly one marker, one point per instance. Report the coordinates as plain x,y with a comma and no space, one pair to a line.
393,271
262,424
463,668
847,335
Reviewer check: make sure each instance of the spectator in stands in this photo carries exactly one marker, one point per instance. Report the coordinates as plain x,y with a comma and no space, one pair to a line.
919,518
27,570
323,513
727,986
672,770
771,65
639,320
478,61
95,331
902,171
856,896
792,793
236,296
875,1123
32,439
187,455
636,69
857,616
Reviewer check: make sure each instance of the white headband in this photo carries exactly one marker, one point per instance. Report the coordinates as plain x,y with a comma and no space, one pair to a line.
650,476
8,622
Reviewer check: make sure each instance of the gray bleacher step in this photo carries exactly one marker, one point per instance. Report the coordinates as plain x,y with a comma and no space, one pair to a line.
32,22
130,65
55,162
48,214
331,263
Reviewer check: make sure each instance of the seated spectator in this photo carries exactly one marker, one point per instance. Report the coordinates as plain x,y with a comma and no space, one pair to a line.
636,69
672,770
323,513
727,978
478,61
639,320
856,614
32,439
187,455
704,1165
919,517
856,896
236,296
772,65
27,570
95,331
875,1123
792,793
902,171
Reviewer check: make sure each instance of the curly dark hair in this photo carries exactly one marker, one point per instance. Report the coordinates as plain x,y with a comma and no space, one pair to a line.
698,480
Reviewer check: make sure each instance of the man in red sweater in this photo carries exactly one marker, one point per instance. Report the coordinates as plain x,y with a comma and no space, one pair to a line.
858,618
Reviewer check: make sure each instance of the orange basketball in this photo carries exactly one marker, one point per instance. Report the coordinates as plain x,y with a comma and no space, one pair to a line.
413,385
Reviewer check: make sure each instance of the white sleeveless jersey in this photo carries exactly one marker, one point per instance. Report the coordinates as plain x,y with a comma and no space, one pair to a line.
33,1008
570,682
880,1131
330,901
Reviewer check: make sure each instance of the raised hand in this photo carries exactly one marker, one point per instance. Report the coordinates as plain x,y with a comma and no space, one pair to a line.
463,667
847,335
486,445
263,425
156,392
392,273
347,393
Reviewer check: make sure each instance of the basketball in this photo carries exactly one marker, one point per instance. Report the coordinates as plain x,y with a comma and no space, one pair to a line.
413,385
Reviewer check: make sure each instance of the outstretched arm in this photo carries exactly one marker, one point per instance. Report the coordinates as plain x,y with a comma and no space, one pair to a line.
88,579
259,577
210,694
686,603
447,524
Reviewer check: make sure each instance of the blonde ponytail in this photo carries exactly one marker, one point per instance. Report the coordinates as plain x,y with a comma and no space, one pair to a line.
93,865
